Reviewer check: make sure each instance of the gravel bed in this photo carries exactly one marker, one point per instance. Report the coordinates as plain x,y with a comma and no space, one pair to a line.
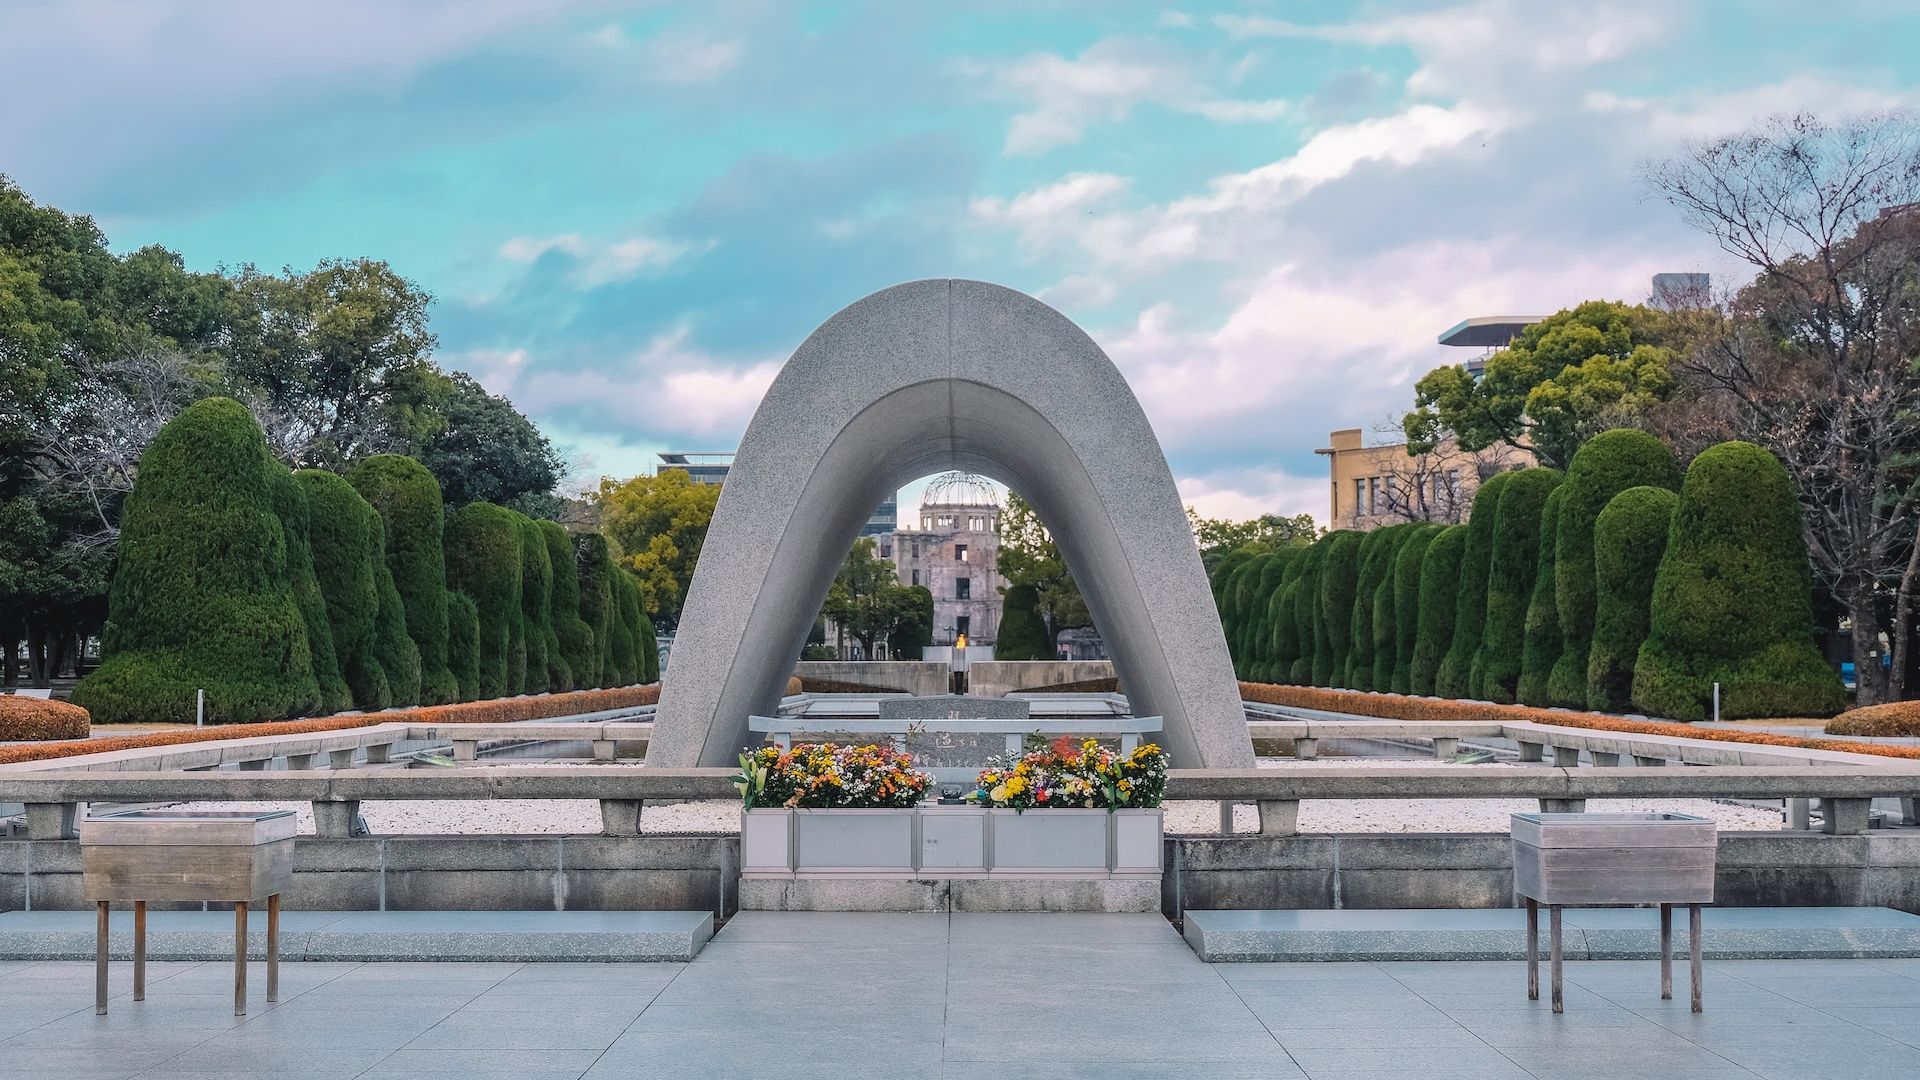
573,816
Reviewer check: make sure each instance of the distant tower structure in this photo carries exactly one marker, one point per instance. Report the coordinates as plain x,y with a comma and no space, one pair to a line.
1681,292
955,553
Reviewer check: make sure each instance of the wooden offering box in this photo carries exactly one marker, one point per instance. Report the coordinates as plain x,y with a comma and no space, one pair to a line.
232,856
1594,859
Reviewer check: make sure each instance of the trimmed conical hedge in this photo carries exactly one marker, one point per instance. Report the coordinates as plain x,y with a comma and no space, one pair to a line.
1386,607
399,656
346,552
1376,558
1610,463
1283,637
1309,628
1259,624
1339,580
626,606
1406,604
1023,636
290,504
463,644
1542,646
1455,678
546,669
595,562
484,562
1510,581
407,498
1732,601
1439,592
200,596
1628,539
573,636
1238,600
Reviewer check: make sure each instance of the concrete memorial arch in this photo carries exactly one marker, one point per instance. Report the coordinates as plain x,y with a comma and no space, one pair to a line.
921,378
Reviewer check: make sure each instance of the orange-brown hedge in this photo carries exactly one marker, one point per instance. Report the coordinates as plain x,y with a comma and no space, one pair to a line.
1398,707
494,711
25,718
1893,718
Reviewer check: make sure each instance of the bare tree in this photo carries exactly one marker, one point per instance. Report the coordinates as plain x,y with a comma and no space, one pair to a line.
1815,359
1436,486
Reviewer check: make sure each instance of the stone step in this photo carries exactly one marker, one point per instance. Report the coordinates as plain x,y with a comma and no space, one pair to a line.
520,936
1587,934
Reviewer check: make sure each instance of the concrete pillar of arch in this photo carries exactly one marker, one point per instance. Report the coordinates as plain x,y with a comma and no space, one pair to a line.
918,379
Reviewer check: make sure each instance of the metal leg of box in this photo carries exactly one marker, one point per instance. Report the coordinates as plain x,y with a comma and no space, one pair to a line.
1533,949
1666,952
100,961
1553,947
1693,933
273,947
240,958
139,950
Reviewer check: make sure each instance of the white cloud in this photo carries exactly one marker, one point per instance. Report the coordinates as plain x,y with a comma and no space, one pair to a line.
1694,116
601,263
1244,494
689,58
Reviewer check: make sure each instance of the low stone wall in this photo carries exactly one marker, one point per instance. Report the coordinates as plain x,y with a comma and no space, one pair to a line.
1475,870
445,873
664,872
919,677
998,678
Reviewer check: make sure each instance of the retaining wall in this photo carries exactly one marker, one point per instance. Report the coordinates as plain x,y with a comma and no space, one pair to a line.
998,678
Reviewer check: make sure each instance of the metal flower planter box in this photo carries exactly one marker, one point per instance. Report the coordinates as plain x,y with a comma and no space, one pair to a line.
950,841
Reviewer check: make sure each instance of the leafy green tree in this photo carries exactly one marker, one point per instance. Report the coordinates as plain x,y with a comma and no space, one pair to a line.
413,520
201,597
660,523
1028,556
916,633
1023,636
1628,539
476,444
1732,601
1439,591
1607,465
1542,648
1511,575
1268,532
1595,366
1455,677
1339,581
290,504
1406,603
346,553
868,603
484,562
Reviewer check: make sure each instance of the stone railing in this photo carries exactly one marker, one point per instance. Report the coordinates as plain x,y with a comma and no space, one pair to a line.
52,798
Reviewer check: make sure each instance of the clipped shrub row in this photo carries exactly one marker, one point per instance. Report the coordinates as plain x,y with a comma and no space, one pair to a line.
1617,587
505,710
291,594
1420,710
1895,718
23,718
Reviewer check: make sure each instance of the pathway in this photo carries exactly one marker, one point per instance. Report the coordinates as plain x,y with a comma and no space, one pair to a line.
1114,997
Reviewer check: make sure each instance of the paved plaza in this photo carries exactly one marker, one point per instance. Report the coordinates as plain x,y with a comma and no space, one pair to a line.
853,996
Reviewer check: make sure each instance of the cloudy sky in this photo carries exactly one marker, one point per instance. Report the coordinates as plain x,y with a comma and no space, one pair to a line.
630,213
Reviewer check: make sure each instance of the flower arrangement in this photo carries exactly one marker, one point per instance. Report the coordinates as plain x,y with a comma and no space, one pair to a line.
1074,775
814,776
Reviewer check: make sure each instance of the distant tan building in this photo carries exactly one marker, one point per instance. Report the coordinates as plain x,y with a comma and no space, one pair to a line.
1370,486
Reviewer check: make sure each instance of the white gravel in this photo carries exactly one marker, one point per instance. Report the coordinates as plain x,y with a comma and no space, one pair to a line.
570,816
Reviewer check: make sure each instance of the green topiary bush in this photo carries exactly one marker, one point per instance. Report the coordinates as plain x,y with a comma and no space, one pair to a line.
1308,626
1439,588
594,560
463,644
413,518
1406,604
1610,463
1237,602
346,552
1455,678
399,656
1386,607
290,505
626,602
1510,580
1376,555
546,668
484,562
1339,580
1259,625
1283,635
1732,600
1542,647
200,596
1629,537
572,636
1023,636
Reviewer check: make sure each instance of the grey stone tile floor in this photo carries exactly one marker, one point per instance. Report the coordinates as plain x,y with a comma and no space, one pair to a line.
965,997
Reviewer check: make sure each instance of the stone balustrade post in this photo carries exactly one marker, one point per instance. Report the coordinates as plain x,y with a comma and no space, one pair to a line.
340,759
1844,817
604,750
299,761
620,817
258,764
1605,759
1306,749
1563,806
52,821
1279,817
1444,748
1648,762
333,819
1531,751
466,749
1566,757
379,753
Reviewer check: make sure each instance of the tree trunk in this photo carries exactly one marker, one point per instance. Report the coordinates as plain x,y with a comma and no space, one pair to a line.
1869,677
1903,627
